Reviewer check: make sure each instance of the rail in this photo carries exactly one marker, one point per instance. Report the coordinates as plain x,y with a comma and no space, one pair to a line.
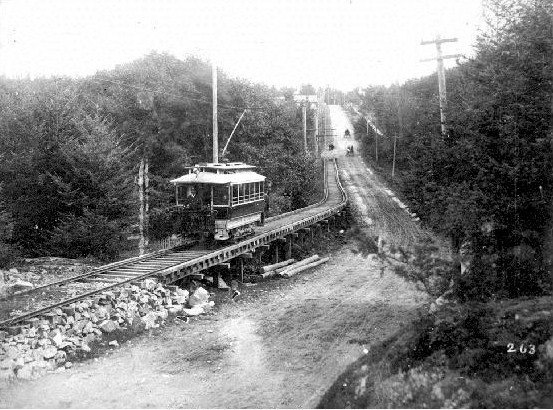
170,265
220,256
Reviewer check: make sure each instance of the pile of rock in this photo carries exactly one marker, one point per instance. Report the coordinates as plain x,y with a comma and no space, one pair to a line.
50,341
37,272
11,284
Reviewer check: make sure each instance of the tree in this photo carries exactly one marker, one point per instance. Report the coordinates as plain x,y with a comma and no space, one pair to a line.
489,185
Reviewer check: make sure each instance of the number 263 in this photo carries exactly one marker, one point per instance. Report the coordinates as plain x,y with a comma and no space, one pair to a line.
530,349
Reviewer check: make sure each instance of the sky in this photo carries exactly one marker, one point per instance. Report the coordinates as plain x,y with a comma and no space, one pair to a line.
341,43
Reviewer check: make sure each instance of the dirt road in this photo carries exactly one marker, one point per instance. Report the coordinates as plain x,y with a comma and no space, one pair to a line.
378,210
281,344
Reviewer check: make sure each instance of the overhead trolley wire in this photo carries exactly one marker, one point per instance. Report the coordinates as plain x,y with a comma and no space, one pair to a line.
234,107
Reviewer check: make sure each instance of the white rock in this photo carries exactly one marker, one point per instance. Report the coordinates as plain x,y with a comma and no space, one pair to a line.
21,285
162,313
149,284
108,326
199,297
26,372
149,320
57,339
194,311
173,310
50,352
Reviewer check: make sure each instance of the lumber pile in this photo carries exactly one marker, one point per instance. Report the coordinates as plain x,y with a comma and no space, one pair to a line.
290,267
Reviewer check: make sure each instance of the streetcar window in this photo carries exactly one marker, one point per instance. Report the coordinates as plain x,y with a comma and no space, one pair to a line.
204,193
235,194
180,192
241,193
220,195
185,192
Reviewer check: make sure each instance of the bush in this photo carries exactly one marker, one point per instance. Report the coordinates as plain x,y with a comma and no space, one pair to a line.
427,270
87,235
8,254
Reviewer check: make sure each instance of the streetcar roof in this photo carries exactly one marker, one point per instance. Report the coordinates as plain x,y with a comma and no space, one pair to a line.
223,166
213,178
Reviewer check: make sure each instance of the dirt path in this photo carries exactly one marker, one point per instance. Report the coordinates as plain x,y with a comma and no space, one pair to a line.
379,211
281,344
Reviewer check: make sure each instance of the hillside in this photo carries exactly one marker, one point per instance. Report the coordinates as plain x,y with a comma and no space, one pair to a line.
71,150
494,355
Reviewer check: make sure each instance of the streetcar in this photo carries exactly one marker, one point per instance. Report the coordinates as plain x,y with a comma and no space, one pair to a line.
223,201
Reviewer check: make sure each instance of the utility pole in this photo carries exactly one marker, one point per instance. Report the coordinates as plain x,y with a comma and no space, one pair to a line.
441,75
324,125
146,101
375,142
394,158
304,115
400,127
317,129
143,183
376,147
215,128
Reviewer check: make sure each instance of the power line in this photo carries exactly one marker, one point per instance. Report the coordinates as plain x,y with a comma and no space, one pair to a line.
227,106
441,76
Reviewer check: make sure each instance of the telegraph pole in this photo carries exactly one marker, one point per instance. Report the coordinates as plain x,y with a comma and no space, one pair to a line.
304,115
316,139
375,142
394,159
215,128
441,75
400,126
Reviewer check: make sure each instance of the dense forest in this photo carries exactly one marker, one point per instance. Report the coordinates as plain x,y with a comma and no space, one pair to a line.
488,184
70,150
484,340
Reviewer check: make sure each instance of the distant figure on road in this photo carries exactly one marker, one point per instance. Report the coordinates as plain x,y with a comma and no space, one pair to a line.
330,146
347,134
349,151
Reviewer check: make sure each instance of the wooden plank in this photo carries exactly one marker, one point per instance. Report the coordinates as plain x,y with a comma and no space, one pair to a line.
174,260
298,264
274,266
135,272
154,264
115,275
96,280
116,272
304,267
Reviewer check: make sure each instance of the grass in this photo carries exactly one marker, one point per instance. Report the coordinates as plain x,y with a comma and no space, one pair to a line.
457,358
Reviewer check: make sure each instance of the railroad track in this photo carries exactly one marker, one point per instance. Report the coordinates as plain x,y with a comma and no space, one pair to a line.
171,264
